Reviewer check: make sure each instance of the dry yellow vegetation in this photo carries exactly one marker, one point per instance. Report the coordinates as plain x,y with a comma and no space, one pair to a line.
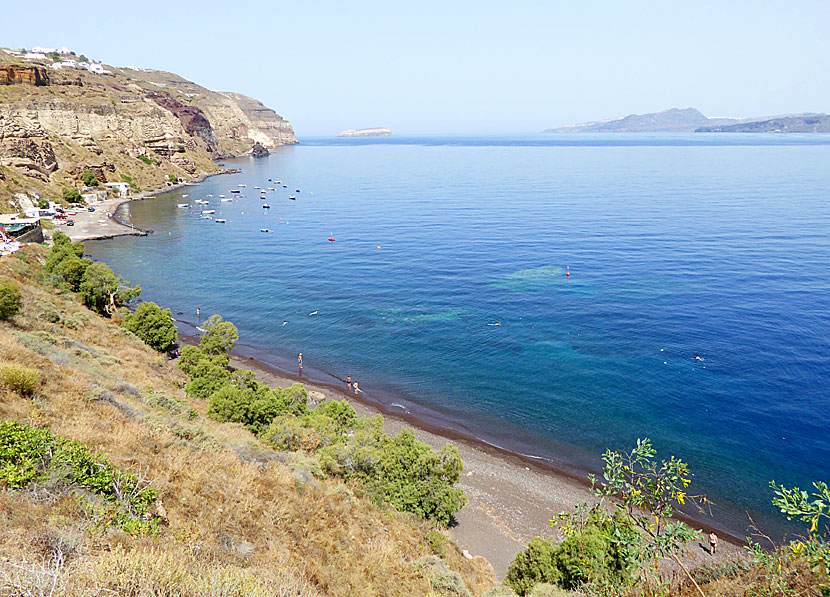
236,517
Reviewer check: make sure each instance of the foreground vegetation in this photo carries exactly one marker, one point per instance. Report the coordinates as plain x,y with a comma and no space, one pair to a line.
142,492
617,546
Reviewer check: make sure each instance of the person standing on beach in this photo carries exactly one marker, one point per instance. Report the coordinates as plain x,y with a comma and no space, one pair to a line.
713,543
300,363
198,314
355,387
349,381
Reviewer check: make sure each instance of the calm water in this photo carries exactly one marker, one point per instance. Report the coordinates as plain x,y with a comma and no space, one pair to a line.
677,245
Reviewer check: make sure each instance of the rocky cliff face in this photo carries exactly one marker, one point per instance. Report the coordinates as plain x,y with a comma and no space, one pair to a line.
23,75
146,125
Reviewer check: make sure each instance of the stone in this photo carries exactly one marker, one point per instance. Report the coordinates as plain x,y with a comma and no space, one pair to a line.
18,74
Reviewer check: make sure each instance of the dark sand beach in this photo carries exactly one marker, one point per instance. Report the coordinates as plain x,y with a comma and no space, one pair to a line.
510,499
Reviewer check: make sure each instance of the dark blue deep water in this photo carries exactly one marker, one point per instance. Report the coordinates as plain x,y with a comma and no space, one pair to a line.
677,245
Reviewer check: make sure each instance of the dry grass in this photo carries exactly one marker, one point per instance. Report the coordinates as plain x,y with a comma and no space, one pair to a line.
238,520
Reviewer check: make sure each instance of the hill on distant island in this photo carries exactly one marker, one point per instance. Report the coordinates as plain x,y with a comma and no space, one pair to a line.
692,120
675,119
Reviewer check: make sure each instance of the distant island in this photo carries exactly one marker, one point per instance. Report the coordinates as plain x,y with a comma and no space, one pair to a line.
692,120
377,132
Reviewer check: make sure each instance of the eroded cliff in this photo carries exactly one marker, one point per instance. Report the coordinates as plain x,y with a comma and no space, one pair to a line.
147,127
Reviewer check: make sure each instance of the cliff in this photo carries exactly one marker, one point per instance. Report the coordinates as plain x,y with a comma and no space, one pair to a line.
60,118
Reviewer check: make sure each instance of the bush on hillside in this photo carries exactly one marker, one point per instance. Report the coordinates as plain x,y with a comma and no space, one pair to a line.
28,454
191,356
244,400
72,196
88,176
103,292
65,261
220,336
206,378
10,299
20,379
154,325
598,553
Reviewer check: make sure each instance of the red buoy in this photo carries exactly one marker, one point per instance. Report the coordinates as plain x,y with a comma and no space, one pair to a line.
331,239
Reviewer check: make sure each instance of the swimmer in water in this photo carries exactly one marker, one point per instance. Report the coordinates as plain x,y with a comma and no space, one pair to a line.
284,321
497,323
698,357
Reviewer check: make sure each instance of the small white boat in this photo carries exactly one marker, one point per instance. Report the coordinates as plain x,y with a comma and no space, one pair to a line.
234,190
202,202
242,186
264,230
220,196
266,206
208,211
271,189
254,187
185,195
205,218
210,195
225,200
278,182
220,220
182,205
292,197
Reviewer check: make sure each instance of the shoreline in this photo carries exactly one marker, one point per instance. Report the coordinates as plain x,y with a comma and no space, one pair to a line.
511,497
85,222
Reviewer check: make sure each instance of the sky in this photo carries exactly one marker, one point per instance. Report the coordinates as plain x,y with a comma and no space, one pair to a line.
461,67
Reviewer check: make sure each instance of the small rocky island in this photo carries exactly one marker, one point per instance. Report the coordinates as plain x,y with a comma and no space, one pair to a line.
377,132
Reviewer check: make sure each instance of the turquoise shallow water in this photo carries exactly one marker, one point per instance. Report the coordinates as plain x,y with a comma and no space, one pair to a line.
677,245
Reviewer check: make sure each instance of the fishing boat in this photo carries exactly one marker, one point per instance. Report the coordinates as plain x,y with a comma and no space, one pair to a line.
226,200
254,187
266,206
292,197
234,190
242,186
264,230
182,205
278,182
271,189
220,220
205,218
208,211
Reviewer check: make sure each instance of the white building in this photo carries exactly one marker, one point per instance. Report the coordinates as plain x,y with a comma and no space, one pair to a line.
40,50
35,56
123,188
96,68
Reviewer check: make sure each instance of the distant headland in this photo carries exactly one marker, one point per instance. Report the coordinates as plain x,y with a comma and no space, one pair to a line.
692,120
376,132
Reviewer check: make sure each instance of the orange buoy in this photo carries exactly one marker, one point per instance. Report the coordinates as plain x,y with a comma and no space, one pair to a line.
568,272
331,239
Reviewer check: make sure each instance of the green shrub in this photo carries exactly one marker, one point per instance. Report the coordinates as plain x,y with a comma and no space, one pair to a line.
220,336
500,591
66,263
88,176
10,299
20,379
145,159
437,543
48,312
173,178
72,196
43,204
244,400
103,292
439,575
536,564
207,377
154,325
191,356
28,454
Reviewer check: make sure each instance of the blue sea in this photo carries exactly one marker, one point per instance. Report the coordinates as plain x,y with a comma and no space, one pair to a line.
446,294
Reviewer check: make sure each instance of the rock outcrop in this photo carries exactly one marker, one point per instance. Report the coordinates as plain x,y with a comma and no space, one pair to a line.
258,151
806,123
17,74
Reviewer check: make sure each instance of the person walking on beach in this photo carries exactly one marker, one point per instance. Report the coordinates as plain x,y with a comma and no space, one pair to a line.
300,362
713,543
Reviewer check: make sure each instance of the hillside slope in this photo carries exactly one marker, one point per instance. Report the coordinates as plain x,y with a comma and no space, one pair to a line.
139,126
231,516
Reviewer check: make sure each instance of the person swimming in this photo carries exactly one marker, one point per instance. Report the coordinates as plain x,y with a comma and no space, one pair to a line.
698,357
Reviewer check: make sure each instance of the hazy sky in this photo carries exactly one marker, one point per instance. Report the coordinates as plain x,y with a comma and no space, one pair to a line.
461,66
